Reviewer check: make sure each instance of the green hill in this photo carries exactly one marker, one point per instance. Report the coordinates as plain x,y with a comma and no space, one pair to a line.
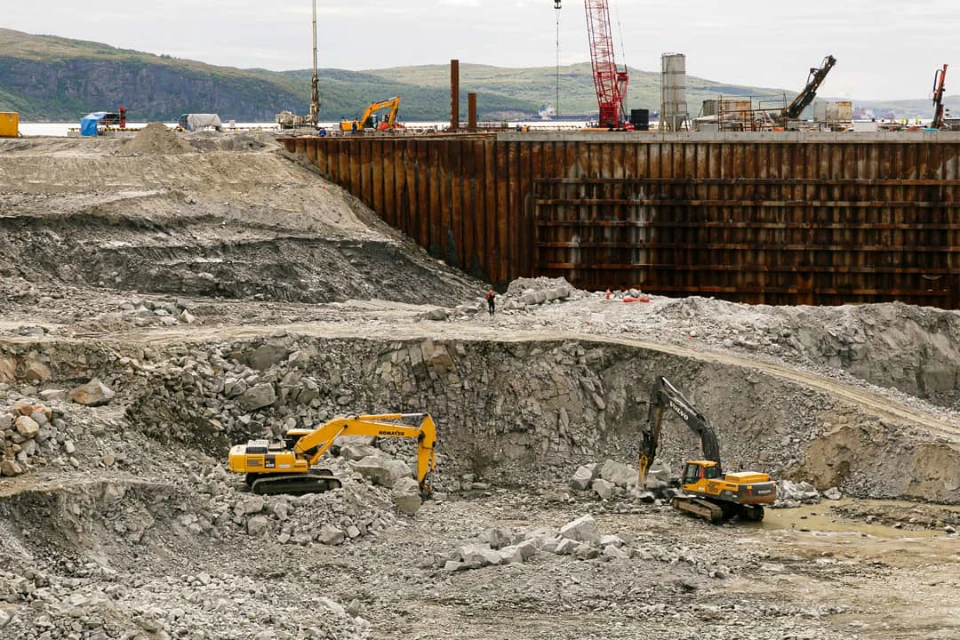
52,78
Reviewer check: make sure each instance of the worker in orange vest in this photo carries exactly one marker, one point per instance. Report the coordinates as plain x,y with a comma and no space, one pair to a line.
491,305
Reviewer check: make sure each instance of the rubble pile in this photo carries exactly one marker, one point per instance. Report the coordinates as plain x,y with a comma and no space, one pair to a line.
32,434
37,605
579,539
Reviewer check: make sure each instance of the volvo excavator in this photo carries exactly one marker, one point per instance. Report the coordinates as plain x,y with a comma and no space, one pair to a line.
287,466
707,491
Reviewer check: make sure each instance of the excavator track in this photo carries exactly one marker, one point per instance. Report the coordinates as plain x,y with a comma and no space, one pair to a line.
295,484
698,507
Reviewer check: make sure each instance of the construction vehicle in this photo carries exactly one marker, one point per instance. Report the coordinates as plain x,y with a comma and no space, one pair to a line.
707,491
287,466
610,83
370,119
290,120
817,75
938,88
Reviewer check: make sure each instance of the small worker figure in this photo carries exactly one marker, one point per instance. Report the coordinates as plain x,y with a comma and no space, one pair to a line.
491,304
353,127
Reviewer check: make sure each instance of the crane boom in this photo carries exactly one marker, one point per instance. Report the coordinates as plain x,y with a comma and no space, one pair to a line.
938,88
610,83
314,116
805,97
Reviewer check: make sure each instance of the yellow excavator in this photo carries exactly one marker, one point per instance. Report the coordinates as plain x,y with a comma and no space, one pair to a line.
287,466
707,491
369,119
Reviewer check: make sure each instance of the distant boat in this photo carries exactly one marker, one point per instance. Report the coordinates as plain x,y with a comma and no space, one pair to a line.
547,112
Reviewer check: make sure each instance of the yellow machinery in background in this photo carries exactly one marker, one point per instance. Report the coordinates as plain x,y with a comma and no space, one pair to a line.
369,118
287,466
9,125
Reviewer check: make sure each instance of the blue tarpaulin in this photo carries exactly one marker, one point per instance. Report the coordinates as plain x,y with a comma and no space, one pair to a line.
88,124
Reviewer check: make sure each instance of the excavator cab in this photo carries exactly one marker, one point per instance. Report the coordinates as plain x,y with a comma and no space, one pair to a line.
696,470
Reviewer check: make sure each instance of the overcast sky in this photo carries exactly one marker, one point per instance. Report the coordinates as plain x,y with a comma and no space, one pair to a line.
885,49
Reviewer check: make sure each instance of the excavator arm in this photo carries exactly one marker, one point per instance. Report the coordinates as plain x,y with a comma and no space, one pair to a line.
393,104
664,395
809,92
314,444
939,78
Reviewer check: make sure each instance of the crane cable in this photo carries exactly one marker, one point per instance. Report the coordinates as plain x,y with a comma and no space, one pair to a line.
556,6
623,49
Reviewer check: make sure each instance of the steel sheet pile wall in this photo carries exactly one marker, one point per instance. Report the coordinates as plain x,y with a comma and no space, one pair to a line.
762,218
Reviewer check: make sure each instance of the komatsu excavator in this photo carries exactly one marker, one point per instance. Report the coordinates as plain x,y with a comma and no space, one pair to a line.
707,491
287,466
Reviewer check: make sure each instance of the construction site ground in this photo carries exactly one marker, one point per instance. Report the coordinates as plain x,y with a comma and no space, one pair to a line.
221,292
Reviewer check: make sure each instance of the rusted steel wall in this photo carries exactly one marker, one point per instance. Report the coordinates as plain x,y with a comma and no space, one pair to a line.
775,218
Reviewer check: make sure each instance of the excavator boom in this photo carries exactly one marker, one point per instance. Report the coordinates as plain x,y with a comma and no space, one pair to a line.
663,395
939,78
809,92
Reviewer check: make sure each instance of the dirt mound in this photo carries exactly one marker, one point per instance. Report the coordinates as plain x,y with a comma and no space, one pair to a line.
157,138
237,224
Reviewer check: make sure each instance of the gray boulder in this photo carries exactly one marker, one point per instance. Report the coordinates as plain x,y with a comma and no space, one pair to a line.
618,473
257,397
258,525
789,493
603,488
406,495
330,535
475,556
832,494
511,555
382,471
496,537
582,529
584,476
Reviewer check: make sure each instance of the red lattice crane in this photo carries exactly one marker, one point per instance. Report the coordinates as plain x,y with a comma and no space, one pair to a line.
611,83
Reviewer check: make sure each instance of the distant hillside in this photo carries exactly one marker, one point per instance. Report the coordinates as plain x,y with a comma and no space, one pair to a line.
538,85
52,78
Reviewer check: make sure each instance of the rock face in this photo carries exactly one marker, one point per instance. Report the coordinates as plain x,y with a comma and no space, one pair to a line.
92,394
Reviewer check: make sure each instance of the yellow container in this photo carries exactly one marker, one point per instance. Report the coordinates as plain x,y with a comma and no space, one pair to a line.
9,125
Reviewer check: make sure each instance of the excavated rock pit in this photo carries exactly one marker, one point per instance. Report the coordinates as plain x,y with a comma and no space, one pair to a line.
196,291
